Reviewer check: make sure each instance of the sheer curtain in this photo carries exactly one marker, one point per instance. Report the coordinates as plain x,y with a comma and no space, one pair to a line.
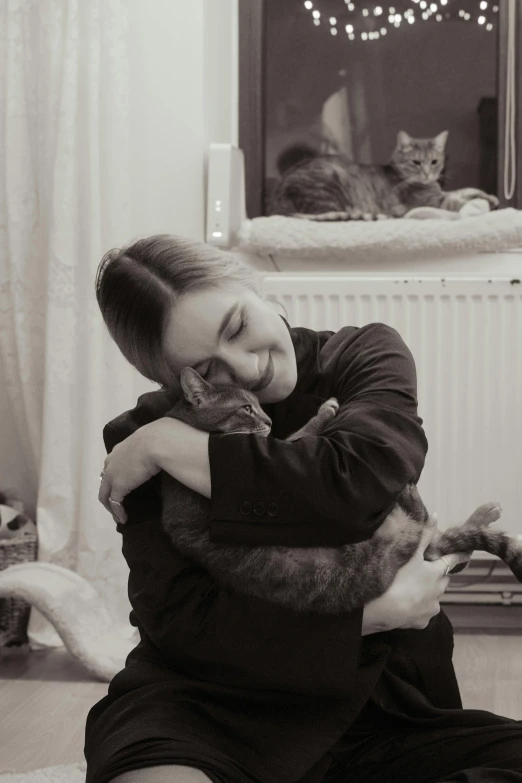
65,167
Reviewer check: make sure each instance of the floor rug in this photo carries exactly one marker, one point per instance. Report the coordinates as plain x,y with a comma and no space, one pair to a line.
64,773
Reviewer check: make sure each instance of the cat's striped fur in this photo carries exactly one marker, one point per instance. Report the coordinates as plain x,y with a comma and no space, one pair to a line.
333,188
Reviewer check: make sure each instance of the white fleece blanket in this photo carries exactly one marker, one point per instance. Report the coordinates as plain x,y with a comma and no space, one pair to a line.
409,237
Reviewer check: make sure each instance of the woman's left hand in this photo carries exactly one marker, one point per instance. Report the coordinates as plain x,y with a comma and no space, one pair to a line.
130,464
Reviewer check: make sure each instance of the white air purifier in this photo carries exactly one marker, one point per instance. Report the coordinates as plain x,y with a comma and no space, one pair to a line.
225,194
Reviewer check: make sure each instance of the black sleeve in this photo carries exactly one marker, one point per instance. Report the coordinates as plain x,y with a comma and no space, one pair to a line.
335,488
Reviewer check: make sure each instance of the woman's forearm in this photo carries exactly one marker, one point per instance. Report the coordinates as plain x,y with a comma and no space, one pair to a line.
182,451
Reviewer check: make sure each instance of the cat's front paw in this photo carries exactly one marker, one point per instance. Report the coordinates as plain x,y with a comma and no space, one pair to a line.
398,211
330,408
492,201
468,194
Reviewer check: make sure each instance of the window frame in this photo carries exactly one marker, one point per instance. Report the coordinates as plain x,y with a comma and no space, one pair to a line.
252,100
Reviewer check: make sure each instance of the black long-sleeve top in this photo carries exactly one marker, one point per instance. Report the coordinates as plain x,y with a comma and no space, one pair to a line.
331,489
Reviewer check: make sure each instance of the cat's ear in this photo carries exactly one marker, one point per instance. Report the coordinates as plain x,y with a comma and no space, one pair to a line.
403,140
196,390
441,139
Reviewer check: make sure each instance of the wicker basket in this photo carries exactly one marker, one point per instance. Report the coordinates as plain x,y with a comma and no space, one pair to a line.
14,612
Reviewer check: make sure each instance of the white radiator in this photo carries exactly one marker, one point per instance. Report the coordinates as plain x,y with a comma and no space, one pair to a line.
466,338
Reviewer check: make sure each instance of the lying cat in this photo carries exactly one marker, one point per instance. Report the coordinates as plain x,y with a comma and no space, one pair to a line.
327,580
330,187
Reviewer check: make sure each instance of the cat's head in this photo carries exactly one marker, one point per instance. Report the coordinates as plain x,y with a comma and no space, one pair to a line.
213,408
420,160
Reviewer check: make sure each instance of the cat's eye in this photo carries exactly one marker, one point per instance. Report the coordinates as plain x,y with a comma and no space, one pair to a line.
248,408
434,162
417,162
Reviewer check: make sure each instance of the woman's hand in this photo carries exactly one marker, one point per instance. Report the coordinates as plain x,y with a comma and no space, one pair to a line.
129,465
413,597
165,444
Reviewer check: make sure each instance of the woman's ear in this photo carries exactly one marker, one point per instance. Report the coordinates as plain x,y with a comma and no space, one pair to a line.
196,389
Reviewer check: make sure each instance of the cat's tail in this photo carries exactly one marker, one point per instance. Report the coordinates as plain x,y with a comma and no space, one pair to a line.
294,156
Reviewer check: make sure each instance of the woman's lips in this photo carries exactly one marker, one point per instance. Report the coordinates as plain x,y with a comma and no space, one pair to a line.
268,375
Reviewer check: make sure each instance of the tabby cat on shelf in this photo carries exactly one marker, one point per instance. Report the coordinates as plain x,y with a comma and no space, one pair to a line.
331,187
326,580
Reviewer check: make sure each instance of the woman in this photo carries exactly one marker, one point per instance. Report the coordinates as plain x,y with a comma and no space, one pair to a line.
229,688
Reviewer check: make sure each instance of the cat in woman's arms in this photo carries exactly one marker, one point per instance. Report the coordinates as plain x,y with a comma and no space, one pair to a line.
321,579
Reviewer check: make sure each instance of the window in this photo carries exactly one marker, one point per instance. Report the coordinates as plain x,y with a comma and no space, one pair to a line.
347,76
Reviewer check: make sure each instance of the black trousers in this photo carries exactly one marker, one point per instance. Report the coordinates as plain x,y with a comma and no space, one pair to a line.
468,746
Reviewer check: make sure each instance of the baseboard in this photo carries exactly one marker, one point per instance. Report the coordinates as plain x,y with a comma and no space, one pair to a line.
485,619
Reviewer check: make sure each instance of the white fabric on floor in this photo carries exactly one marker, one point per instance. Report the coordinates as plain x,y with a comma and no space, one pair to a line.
64,773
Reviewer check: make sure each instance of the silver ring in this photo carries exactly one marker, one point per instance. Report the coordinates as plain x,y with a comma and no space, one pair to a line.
447,566
115,502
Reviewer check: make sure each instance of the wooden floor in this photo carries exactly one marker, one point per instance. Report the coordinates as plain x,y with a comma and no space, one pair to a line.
45,697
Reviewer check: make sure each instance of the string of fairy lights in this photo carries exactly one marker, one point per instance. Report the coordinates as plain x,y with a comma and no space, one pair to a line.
368,22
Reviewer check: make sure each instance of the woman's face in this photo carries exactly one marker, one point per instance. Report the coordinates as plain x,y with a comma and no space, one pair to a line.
231,336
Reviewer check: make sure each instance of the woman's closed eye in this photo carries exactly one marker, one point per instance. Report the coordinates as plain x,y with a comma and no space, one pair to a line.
242,326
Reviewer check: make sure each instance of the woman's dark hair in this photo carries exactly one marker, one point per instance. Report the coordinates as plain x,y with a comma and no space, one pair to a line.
137,285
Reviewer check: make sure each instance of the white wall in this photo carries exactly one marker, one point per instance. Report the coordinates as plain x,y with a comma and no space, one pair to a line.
183,95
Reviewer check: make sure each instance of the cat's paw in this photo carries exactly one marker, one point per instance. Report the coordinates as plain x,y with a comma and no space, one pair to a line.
492,201
485,514
330,408
468,194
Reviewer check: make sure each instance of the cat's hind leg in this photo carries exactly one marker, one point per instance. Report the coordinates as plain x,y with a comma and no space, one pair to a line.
507,548
466,537
475,534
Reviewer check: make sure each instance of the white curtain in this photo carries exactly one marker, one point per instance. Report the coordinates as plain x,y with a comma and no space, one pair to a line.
65,164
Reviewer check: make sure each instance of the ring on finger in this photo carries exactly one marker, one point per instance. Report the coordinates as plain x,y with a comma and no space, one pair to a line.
447,566
115,502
